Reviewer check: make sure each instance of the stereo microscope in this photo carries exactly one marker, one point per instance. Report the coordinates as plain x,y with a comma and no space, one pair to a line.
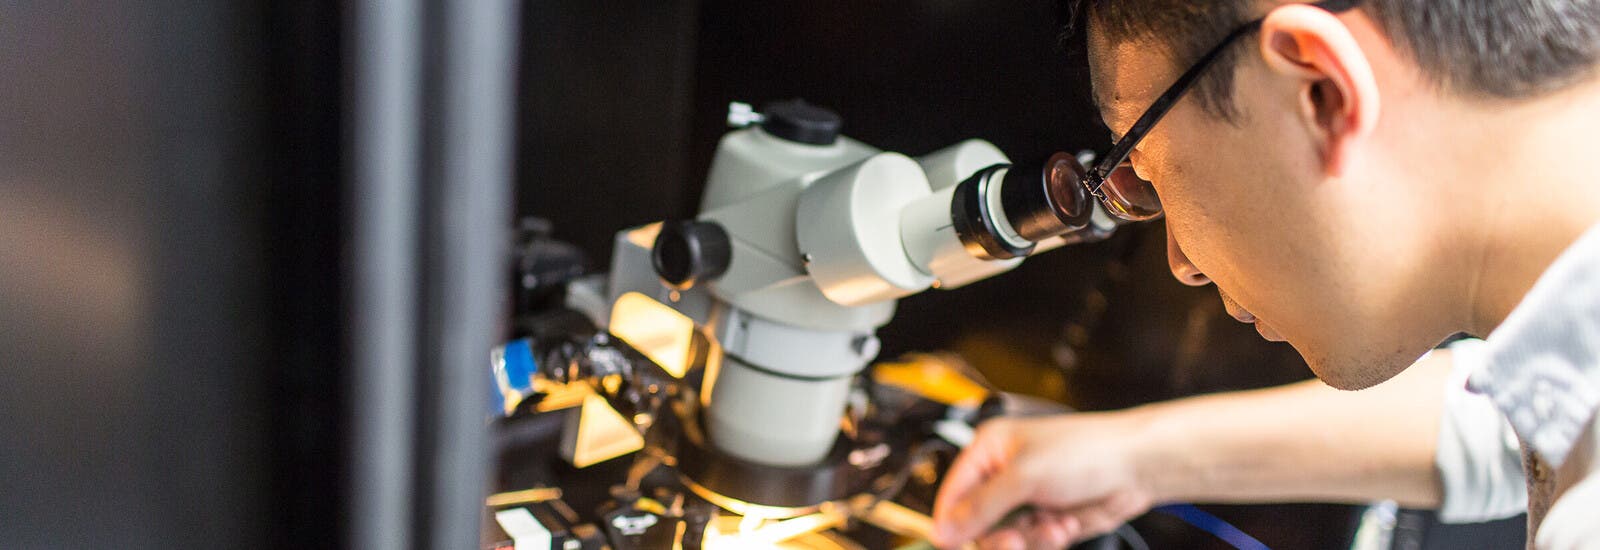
804,241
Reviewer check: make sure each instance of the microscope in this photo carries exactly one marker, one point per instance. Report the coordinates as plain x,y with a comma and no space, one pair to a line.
804,241
733,341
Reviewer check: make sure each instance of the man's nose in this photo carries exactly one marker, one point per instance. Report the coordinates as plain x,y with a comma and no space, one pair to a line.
1185,271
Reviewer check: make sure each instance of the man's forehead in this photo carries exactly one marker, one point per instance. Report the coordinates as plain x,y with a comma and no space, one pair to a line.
1126,75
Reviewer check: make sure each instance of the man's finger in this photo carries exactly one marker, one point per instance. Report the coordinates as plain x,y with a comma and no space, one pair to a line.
964,474
1006,539
985,455
983,507
1052,529
1085,521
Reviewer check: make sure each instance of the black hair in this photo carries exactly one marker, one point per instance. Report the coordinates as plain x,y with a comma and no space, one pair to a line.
1509,49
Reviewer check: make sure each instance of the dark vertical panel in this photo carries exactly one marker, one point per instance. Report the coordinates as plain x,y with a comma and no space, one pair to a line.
467,199
213,322
172,366
133,326
76,303
303,229
384,98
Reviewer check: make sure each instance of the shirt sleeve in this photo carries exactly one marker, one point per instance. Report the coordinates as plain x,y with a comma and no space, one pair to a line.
1478,459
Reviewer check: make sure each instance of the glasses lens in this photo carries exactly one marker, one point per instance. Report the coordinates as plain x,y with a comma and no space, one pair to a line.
1130,197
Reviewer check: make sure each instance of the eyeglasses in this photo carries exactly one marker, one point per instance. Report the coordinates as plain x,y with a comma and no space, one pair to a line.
1112,179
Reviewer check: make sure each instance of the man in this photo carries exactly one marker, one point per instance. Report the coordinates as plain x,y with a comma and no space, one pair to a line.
1361,179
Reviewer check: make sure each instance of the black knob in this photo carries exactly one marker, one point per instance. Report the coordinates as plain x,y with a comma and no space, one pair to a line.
801,122
688,252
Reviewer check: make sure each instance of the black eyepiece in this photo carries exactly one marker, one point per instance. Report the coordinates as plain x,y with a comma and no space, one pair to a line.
977,218
1002,211
1046,201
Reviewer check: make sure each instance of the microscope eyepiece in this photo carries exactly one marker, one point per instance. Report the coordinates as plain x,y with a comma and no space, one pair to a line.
1003,211
690,252
1048,201
979,218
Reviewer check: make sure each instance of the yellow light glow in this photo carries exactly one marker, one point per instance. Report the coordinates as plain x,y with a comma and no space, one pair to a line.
560,396
645,235
656,330
813,529
525,496
741,507
894,518
731,532
930,377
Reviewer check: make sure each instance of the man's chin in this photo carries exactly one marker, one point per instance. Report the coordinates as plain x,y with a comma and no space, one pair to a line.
1352,374
1340,381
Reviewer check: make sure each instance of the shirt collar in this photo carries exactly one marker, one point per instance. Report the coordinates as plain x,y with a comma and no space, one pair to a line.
1542,367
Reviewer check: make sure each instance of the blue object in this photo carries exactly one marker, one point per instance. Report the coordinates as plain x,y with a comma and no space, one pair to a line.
1212,524
520,365
514,372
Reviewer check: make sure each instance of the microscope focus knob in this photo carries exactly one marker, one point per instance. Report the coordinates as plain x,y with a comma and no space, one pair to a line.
690,252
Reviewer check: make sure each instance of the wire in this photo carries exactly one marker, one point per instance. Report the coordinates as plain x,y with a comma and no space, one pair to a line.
1132,537
1214,525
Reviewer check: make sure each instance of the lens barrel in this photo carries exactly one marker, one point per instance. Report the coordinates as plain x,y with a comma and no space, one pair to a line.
1002,211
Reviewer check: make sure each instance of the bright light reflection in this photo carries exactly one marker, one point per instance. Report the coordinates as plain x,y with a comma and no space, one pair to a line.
656,330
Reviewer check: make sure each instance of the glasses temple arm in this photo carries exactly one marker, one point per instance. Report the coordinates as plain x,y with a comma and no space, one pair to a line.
1159,108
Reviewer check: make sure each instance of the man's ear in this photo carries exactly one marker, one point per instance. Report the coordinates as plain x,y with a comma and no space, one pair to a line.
1337,93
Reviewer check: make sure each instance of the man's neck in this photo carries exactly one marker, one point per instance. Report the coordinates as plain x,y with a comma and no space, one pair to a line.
1537,194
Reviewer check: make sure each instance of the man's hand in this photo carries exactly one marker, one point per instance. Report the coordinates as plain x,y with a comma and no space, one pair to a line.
1085,474
1077,472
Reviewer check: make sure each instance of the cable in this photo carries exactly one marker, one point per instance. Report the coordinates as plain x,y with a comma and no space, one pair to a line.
1214,525
1132,537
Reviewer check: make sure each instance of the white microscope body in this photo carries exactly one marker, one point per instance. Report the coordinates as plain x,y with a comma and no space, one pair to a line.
803,243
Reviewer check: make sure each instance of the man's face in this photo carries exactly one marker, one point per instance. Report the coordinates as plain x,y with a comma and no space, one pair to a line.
1248,205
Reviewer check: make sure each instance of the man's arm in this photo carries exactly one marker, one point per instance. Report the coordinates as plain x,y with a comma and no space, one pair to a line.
1088,473
1304,442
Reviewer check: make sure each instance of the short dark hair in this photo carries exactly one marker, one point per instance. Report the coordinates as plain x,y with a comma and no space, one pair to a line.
1509,49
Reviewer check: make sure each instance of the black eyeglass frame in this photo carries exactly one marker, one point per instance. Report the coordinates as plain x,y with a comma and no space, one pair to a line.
1095,178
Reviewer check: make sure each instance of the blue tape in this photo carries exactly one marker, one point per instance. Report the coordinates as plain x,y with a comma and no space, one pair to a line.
520,365
1214,525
